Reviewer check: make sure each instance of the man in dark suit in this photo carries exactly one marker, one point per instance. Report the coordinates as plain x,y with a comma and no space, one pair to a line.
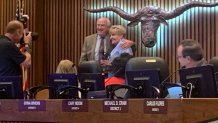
92,43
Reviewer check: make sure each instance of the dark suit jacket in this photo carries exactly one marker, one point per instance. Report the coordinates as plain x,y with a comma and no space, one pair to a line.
88,49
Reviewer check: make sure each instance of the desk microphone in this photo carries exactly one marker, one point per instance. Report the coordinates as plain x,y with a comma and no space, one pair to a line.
169,76
164,82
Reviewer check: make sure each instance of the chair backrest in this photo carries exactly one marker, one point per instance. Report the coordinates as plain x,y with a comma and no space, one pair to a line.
89,67
150,63
141,63
97,94
214,62
60,81
85,69
40,92
11,87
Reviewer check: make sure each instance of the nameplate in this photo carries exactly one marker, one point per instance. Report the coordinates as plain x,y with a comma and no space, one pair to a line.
155,106
75,105
117,106
32,105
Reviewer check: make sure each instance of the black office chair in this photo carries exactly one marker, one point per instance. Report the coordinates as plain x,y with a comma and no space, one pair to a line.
11,87
155,63
214,62
40,92
89,67
140,63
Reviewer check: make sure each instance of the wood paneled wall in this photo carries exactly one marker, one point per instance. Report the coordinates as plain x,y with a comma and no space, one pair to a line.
64,27
63,24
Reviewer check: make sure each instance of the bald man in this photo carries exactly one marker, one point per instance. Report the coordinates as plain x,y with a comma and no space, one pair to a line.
11,57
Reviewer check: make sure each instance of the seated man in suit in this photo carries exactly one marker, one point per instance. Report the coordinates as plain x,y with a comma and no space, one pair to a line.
189,54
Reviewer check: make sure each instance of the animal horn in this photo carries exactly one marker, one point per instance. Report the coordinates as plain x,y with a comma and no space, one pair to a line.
120,12
179,10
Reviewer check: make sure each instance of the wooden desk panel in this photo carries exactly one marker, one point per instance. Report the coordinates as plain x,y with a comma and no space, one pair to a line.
179,111
199,109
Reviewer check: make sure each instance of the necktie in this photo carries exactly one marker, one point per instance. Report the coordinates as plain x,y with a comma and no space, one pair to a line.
101,49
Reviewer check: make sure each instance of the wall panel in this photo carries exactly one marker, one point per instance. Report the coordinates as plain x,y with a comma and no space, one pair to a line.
197,23
63,24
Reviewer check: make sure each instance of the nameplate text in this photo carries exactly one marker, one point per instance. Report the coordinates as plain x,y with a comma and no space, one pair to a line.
155,106
32,105
75,105
119,106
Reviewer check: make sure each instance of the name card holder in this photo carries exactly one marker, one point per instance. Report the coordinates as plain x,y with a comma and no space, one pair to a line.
32,105
116,106
75,105
155,106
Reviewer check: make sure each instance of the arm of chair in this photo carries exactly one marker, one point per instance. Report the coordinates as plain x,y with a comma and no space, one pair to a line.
156,92
31,93
112,88
66,89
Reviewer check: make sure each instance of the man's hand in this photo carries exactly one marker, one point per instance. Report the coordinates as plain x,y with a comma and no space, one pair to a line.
105,63
27,61
127,44
27,38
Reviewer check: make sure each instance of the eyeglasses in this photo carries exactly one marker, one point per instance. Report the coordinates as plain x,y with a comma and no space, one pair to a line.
178,57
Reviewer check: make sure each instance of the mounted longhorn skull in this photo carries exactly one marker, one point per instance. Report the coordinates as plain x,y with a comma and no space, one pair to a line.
151,17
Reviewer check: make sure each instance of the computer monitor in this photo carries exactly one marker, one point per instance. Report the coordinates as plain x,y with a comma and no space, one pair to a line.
198,82
144,81
91,81
60,81
11,87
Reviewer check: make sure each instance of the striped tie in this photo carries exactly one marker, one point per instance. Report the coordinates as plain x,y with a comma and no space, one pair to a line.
101,49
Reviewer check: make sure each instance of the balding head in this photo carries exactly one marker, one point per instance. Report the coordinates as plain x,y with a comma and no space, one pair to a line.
106,20
191,48
14,30
14,26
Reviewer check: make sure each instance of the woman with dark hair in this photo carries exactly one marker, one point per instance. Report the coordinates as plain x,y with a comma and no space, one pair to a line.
118,70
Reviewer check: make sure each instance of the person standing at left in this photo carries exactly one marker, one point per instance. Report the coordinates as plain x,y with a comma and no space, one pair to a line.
11,58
